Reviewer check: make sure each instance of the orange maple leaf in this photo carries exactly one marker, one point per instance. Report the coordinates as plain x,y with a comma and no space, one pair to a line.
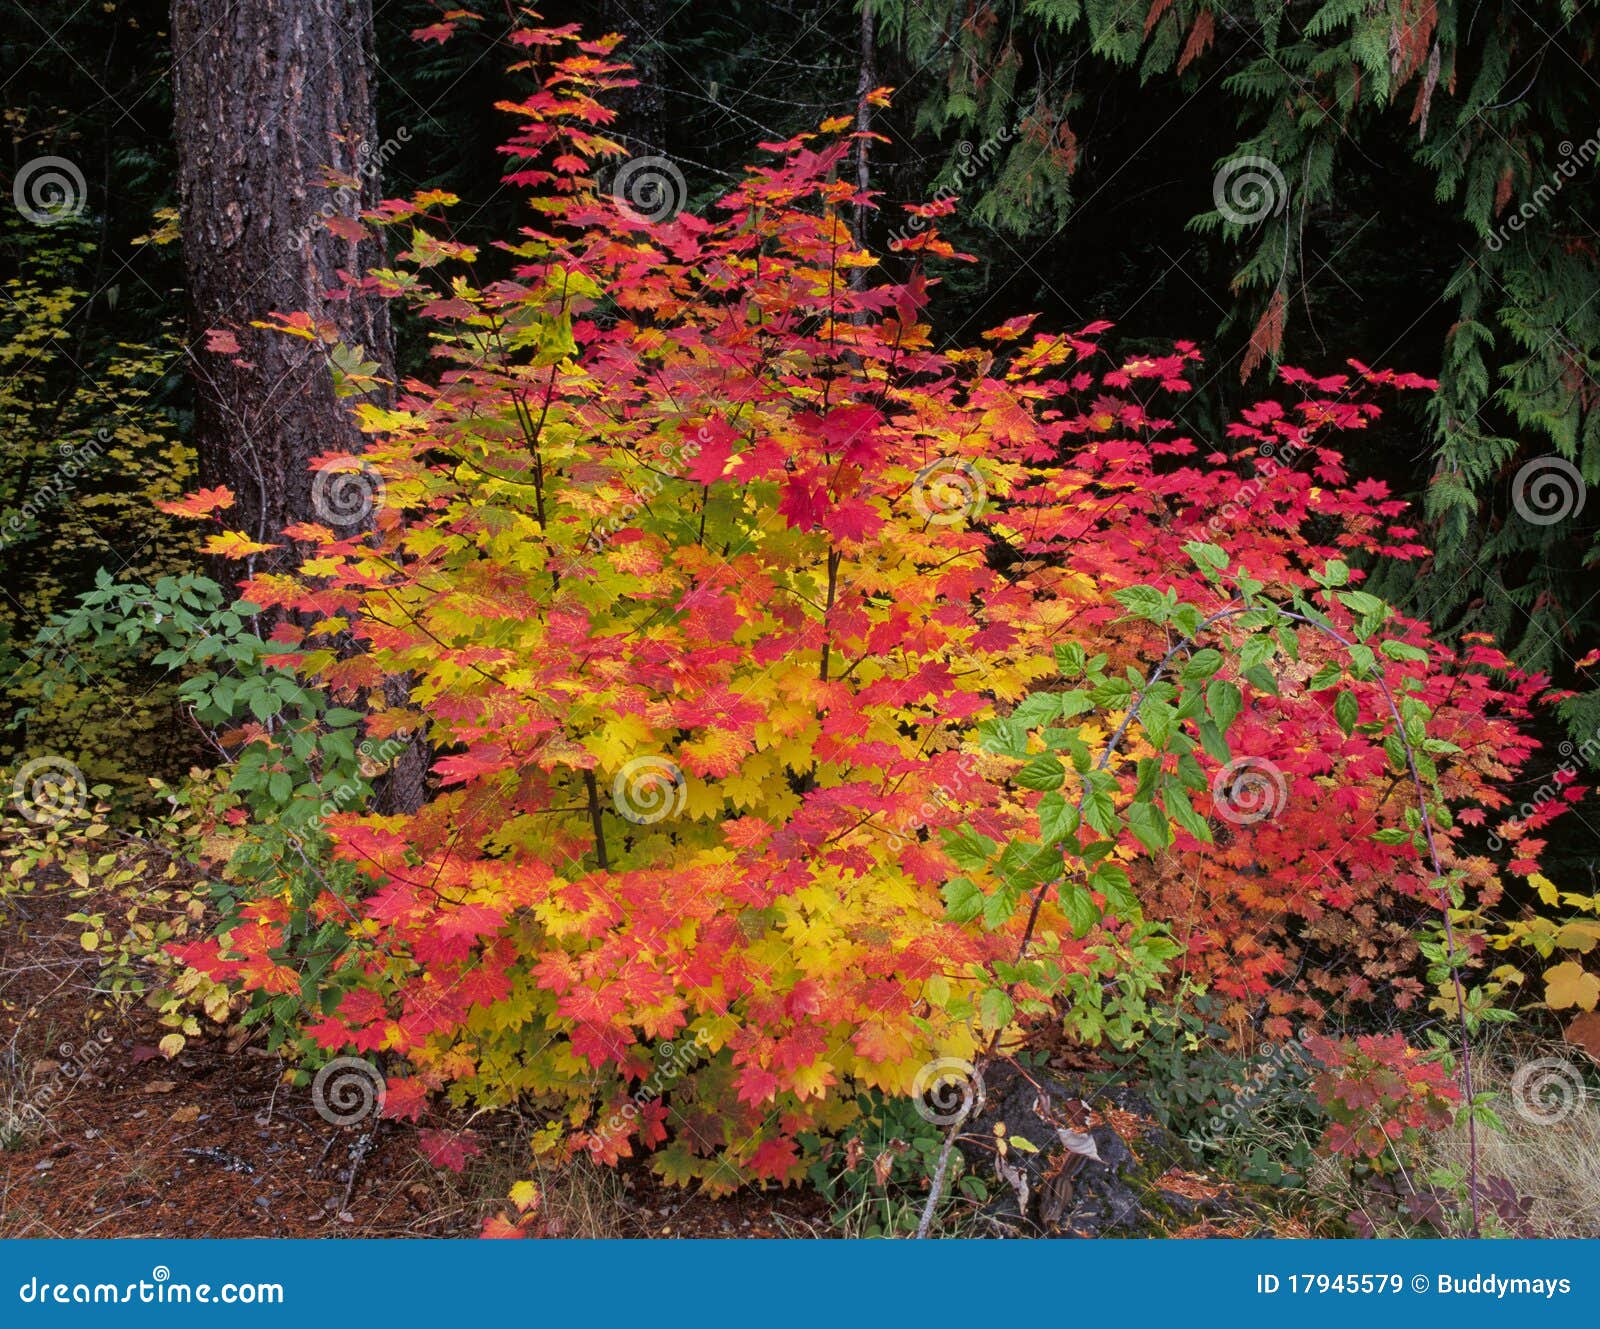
201,503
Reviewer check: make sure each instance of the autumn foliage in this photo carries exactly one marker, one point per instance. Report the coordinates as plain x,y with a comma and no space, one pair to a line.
1377,1090
757,632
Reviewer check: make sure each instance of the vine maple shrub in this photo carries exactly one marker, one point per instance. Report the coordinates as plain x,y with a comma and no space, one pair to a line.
793,681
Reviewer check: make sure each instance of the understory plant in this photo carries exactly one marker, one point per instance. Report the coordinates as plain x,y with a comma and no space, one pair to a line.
813,701
90,444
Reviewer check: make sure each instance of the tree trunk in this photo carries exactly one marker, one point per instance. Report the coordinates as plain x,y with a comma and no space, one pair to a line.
269,94
866,81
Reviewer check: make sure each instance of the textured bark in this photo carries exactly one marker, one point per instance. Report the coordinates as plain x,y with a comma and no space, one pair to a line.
268,95
866,81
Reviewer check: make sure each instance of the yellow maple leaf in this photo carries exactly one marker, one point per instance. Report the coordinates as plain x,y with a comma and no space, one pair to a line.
1580,935
814,1080
234,544
1568,985
1545,887
621,737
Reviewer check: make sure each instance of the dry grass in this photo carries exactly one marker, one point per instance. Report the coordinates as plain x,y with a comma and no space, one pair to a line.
30,1090
577,1199
1549,1149
1546,1153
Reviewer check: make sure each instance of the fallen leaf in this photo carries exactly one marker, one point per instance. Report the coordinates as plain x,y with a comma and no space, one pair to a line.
448,1149
160,1086
1079,1143
1584,1032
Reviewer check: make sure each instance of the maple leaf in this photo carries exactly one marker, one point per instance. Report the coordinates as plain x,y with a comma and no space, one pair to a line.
448,1149
804,502
201,503
298,324
234,544
712,445
757,1085
329,1032
746,832
346,228
469,921
854,519
775,1160
1567,984
676,1166
718,753
405,1098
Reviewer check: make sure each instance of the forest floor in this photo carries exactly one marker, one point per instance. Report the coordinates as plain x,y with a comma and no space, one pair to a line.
115,1140
101,1135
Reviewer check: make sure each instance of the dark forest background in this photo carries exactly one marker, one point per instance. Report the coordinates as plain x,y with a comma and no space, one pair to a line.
1085,140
